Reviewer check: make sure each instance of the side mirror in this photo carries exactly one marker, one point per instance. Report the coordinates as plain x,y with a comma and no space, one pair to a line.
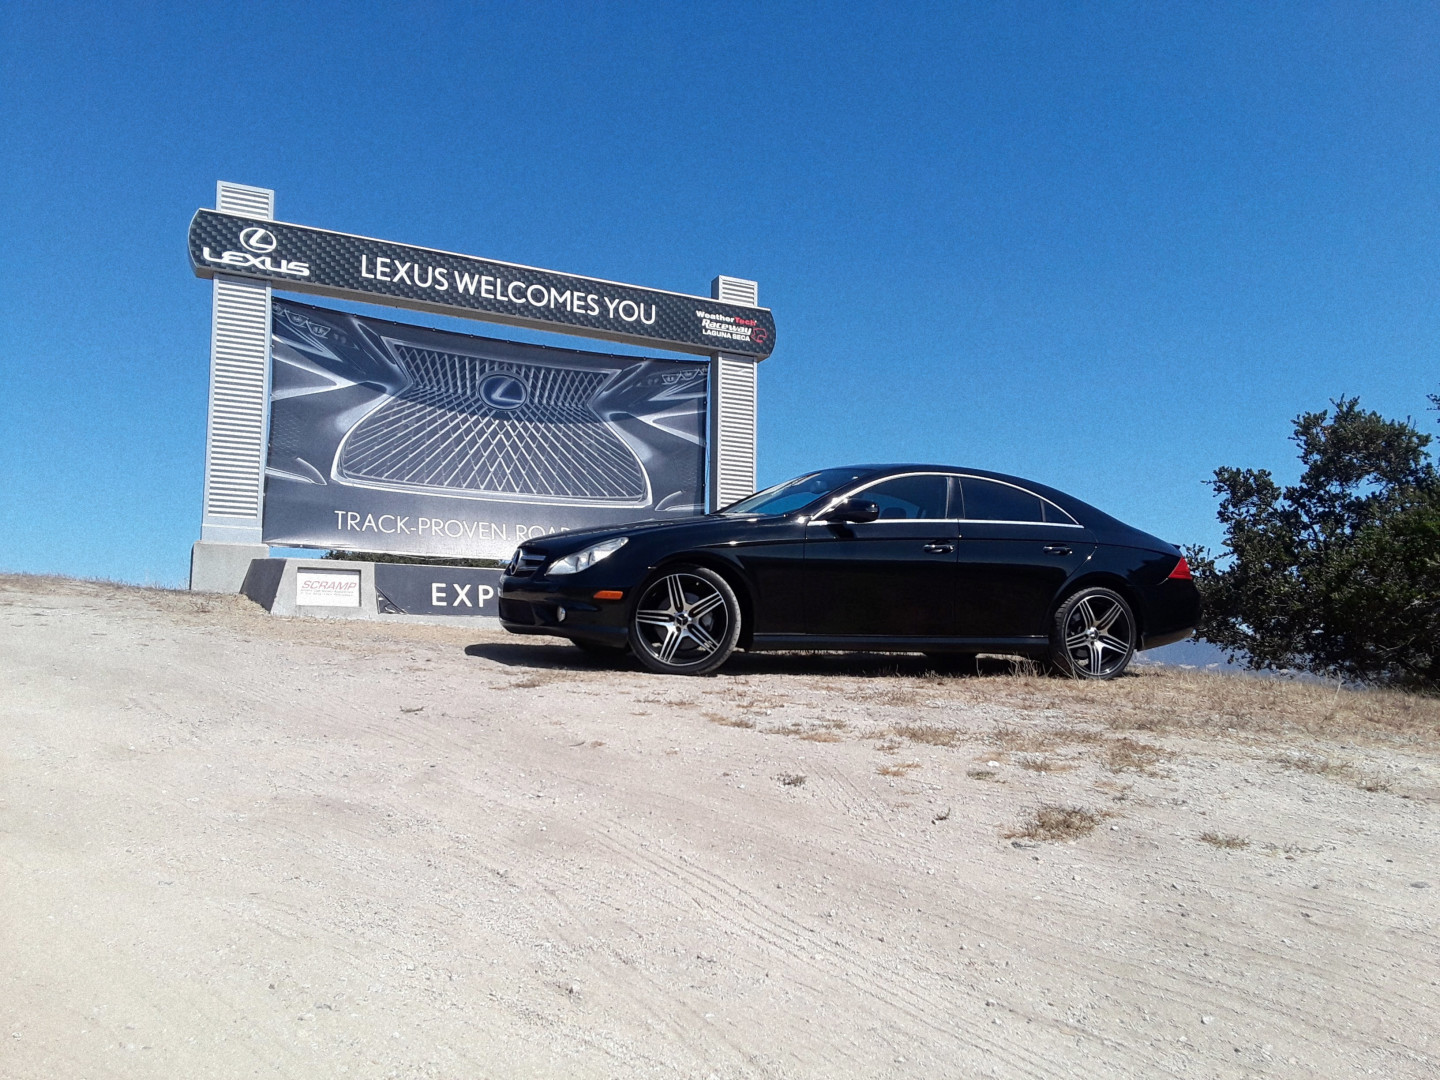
858,511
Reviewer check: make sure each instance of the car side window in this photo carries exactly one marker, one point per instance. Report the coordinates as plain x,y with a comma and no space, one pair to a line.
986,500
910,498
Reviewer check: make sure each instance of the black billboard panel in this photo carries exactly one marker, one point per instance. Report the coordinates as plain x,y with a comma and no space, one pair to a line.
301,259
415,589
402,439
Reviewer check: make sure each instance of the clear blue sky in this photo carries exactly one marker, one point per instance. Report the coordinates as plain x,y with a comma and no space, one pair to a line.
1106,246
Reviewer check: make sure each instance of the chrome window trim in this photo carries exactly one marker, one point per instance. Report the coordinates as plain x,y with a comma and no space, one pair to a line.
837,500
1071,524
1043,524
972,521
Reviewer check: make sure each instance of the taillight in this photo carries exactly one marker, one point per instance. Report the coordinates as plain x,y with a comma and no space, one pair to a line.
1181,571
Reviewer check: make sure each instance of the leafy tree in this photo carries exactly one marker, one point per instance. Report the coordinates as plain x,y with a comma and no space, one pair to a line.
1338,574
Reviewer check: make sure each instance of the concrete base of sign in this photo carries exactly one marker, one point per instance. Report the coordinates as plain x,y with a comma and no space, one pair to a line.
222,568
276,585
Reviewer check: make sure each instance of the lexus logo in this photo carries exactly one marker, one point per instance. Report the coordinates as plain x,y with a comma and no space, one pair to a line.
503,392
261,241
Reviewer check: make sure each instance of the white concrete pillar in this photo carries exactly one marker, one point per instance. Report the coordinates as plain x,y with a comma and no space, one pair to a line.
733,401
237,425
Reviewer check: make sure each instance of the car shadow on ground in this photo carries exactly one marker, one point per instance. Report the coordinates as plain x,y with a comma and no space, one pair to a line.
560,655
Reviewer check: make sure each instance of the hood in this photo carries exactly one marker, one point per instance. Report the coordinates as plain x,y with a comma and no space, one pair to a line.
562,543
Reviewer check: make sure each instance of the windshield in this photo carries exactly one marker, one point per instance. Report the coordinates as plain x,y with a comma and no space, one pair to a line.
793,494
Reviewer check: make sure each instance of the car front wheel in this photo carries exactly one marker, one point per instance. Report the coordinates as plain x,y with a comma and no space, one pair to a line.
686,622
1093,636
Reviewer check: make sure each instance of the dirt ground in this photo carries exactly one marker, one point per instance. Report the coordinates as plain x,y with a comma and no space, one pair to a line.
239,846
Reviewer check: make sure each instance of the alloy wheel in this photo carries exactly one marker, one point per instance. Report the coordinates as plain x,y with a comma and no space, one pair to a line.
687,622
1098,634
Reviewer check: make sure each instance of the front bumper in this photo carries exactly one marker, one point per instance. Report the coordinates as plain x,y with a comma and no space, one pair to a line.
541,606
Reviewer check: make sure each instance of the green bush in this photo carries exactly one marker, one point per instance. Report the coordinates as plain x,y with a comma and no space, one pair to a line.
1338,574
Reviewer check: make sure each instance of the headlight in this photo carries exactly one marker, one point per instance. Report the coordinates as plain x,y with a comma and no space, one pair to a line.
583,560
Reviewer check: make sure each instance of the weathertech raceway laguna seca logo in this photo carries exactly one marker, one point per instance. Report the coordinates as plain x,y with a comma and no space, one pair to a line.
259,244
732,327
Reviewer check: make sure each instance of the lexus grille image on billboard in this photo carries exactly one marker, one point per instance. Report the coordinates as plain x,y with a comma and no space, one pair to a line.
397,438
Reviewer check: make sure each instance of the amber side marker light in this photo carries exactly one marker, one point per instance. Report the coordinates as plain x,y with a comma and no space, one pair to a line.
616,594
1181,571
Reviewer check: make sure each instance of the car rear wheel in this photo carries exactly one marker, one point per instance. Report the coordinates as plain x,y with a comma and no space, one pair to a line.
686,622
1093,636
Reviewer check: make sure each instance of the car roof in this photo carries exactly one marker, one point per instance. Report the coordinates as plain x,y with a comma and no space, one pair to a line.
875,469
1081,510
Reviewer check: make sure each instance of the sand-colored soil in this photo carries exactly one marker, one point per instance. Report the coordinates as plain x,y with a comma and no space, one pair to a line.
239,846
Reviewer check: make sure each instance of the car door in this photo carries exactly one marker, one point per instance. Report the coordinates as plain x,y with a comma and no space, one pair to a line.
772,555
892,577
1014,551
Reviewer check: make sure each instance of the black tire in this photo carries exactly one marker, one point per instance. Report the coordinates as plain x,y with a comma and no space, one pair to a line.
666,633
1093,635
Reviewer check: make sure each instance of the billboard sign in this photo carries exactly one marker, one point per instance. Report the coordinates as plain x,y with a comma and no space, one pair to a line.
411,589
397,438
298,258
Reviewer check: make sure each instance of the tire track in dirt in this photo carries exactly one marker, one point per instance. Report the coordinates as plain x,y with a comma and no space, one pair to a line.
1300,1014
803,945
1095,976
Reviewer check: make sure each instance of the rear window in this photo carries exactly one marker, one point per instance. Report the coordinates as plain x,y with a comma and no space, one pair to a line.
1056,516
987,500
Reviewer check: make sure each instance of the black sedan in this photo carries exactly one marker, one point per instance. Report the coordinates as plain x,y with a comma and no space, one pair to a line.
904,558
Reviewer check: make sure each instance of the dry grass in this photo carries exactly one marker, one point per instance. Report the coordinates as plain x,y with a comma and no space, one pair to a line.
899,768
1030,740
1225,840
1315,764
1149,699
728,721
1052,823
902,696
931,734
1288,850
828,733
1199,702
1042,764
1127,755
238,614
758,705
1038,740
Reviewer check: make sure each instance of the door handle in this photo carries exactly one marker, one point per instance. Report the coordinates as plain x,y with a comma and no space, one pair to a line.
939,547
1056,549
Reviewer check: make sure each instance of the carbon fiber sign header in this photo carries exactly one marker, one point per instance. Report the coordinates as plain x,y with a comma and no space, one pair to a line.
297,258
